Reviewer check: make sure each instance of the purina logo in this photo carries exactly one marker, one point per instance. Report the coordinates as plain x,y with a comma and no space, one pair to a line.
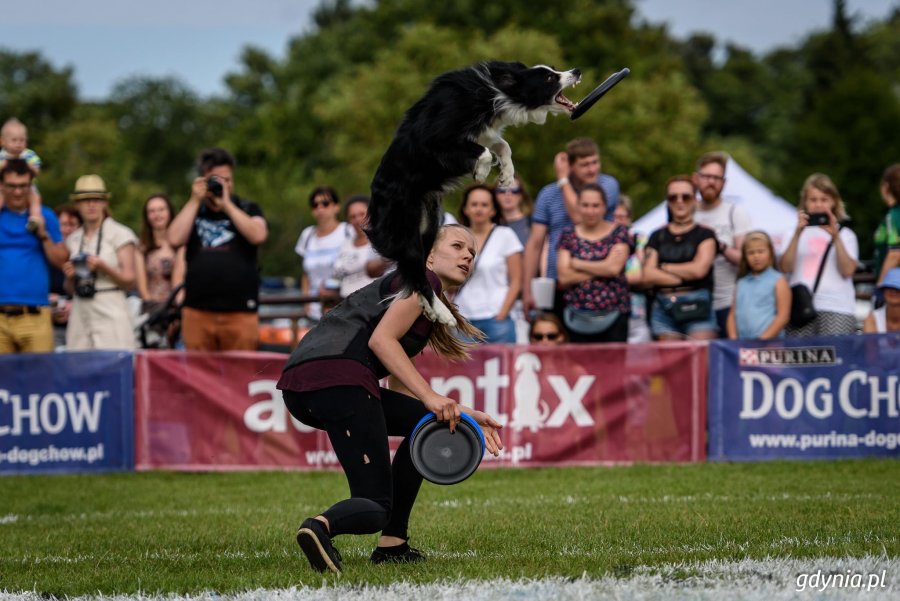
797,356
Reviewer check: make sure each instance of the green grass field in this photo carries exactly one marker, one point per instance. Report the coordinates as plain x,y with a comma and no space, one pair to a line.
185,533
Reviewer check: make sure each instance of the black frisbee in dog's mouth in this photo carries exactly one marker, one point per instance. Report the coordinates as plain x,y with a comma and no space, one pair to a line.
595,95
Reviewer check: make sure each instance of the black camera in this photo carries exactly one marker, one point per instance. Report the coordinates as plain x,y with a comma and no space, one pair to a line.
214,186
85,282
818,218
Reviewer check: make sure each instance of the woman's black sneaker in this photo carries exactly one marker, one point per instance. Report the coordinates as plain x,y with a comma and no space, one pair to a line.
316,544
397,554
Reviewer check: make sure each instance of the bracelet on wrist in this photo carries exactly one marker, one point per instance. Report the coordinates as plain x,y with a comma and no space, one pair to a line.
561,182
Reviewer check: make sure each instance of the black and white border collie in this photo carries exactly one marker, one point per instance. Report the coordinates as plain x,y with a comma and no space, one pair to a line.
452,132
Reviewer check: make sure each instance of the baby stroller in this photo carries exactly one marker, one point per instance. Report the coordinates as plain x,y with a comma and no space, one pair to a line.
159,326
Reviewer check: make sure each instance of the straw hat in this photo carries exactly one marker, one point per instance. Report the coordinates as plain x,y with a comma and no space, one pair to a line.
89,186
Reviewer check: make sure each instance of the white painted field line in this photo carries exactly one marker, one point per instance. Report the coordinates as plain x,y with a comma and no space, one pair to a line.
752,580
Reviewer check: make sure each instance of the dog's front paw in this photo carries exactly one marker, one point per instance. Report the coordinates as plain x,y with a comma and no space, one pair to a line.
483,166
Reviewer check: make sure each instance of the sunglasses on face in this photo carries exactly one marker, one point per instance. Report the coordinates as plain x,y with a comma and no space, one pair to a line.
548,336
320,203
510,190
680,197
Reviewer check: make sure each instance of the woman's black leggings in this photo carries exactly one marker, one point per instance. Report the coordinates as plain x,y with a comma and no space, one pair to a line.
358,425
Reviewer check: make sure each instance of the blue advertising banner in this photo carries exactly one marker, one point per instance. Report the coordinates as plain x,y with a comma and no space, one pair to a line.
804,398
66,412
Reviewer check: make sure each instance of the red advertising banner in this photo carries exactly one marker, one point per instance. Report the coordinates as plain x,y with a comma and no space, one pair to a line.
575,405
585,404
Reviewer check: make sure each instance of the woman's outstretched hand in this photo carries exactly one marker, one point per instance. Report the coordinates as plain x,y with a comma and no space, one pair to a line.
491,430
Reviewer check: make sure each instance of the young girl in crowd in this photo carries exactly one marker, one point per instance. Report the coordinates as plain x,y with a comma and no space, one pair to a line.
762,299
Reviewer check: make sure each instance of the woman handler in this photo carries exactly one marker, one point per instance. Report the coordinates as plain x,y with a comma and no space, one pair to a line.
330,382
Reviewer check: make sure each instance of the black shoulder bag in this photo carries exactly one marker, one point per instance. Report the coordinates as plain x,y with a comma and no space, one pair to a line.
802,309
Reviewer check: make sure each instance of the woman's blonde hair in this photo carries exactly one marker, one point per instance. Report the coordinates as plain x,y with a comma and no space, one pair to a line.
823,184
756,236
445,340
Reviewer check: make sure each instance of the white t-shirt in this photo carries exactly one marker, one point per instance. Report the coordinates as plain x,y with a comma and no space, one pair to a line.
350,266
319,255
728,221
482,296
835,293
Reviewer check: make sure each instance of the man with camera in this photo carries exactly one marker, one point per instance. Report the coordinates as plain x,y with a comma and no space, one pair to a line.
222,232
25,257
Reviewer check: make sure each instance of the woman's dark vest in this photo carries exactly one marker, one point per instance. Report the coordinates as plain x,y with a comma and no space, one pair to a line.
344,332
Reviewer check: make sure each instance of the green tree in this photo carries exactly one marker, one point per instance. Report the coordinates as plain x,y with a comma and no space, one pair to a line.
161,123
90,143
851,135
32,90
850,113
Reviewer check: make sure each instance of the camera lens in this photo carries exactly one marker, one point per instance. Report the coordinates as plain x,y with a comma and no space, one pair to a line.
214,186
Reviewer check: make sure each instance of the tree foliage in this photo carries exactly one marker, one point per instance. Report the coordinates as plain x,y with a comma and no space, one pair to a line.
32,90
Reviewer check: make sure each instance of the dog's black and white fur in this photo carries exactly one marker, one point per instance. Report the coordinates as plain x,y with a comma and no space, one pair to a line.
452,132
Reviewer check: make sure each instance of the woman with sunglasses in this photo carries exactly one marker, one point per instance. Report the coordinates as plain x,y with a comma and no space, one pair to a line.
548,329
319,246
678,266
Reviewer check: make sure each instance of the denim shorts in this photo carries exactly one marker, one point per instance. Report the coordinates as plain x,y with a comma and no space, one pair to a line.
662,322
496,331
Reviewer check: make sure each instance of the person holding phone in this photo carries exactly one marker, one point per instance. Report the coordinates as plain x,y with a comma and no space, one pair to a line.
823,254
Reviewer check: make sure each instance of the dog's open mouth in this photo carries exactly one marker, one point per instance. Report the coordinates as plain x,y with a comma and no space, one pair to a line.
565,102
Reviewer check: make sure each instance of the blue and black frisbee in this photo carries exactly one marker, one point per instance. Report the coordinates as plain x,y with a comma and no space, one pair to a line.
442,457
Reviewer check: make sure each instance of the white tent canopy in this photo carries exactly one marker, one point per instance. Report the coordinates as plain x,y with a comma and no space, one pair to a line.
767,212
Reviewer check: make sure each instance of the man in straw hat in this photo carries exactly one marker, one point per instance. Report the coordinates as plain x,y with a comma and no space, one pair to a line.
222,232
25,257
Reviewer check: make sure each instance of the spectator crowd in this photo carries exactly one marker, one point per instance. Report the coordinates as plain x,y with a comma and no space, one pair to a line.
564,267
